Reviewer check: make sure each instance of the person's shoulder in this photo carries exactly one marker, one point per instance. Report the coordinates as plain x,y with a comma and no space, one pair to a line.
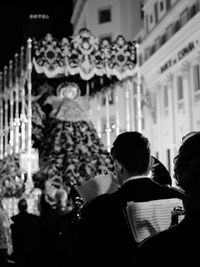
100,205
34,216
14,217
176,192
107,198
164,191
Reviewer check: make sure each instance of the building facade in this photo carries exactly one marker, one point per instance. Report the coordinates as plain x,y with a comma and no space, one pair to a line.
169,68
168,72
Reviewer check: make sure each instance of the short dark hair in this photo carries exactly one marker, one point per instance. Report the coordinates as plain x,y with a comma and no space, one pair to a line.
132,150
187,164
22,204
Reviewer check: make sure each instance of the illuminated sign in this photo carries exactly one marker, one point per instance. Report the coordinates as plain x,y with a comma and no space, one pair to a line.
180,55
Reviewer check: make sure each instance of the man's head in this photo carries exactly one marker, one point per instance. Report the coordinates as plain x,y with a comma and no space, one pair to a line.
22,205
131,155
187,165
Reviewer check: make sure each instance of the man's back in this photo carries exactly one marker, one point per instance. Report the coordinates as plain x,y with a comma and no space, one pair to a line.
105,238
26,233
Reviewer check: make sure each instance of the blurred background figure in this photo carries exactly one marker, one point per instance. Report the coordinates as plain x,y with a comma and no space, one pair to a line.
56,218
26,237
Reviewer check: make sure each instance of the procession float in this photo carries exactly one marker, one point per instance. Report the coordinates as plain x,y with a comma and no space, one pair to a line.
47,140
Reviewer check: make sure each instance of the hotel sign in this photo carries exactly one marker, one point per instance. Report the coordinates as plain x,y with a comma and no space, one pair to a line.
180,55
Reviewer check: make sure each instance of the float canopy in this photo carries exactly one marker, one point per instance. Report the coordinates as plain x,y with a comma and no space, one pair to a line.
84,57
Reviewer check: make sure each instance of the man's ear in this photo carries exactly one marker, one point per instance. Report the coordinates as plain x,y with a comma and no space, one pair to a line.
118,166
151,164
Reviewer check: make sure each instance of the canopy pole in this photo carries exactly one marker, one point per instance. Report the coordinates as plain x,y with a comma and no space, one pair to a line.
1,116
107,120
139,109
11,108
6,128
29,86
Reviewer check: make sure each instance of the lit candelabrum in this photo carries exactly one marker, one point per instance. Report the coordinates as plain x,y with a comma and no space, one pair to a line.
127,95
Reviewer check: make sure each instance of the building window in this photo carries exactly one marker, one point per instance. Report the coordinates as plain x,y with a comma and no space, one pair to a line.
151,19
142,10
165,95
180,92
184,17
196,72
165,100
193,10
169,32
161,6
156,12
147,53
180,87
157,42
163,39
168,4
176,26
196,75
104,15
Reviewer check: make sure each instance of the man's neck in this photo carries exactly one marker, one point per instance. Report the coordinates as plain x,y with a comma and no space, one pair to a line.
134,177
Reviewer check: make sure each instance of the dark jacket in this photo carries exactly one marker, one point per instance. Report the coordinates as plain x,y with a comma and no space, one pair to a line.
26,238
104,238
177,246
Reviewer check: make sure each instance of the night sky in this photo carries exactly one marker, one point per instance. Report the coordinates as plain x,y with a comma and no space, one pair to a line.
15,25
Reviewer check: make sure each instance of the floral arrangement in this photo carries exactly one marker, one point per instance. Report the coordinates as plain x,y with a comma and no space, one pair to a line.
11,183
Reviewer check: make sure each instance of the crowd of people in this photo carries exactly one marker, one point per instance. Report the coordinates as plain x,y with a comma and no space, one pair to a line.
121,219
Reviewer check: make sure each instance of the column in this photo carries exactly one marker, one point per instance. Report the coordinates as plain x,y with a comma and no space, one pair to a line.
187,92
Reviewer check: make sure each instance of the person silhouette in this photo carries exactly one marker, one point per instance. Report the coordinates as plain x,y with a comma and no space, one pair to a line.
178,245
26,236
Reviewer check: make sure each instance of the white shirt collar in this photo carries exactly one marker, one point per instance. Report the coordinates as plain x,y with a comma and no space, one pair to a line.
134,178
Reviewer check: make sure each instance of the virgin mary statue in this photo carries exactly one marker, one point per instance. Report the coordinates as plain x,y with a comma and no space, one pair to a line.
71,151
